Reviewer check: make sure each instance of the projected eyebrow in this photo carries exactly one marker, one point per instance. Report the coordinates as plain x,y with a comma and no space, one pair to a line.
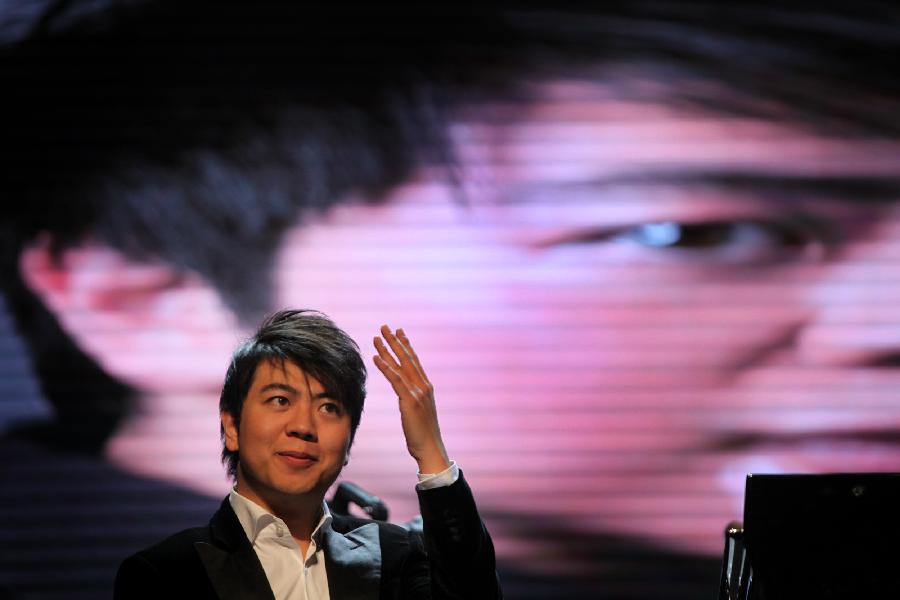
874,189
848,188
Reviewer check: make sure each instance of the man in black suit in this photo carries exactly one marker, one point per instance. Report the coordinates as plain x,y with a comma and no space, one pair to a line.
290,406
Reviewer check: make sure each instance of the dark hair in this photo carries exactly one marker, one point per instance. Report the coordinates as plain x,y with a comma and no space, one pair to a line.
198,131
310,340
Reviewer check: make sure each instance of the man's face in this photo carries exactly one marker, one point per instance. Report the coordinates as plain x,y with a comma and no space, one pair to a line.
293,437
629,310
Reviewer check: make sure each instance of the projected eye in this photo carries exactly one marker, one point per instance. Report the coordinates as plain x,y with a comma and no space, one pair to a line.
744,242
747,242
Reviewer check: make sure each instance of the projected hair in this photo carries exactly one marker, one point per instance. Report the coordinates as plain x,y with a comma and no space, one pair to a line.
198,132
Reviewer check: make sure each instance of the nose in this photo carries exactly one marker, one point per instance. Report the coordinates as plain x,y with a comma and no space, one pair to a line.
301,423
856,318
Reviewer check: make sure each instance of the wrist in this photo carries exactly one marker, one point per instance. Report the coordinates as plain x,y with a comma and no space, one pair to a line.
432,461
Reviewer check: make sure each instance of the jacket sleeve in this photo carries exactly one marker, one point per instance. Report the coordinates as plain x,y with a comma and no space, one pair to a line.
457,547
137,579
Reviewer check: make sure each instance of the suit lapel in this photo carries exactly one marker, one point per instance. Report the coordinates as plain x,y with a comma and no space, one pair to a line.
353,562
230,562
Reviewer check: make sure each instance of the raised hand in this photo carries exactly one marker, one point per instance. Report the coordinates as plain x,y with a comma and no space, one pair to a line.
398,362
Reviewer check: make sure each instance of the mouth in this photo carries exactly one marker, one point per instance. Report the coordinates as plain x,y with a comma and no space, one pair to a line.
833,451
297,459
744,441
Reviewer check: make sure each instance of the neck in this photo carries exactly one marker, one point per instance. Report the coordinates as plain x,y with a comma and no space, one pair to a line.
300,513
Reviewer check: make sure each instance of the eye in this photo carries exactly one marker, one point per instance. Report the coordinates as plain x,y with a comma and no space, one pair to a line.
332,408
748,242
736,242
668,234
278,401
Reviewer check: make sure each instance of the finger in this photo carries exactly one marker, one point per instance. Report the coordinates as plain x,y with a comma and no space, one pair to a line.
394,378
401,335
403,357
384,354
405,354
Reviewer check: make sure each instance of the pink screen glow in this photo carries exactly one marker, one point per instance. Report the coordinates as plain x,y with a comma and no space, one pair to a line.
613,349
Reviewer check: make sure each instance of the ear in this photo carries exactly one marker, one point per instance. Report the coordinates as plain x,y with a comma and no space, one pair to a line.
347,449
146,323
231,430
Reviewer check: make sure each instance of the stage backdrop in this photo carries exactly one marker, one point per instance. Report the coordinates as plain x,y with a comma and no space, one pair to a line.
625,303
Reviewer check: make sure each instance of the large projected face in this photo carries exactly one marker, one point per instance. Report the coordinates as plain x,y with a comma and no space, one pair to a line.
625,309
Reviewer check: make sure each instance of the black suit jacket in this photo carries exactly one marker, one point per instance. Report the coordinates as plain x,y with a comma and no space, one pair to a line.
365,560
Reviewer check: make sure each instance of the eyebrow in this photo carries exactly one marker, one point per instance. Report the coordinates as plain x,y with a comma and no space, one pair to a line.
781,186
284,387
835,187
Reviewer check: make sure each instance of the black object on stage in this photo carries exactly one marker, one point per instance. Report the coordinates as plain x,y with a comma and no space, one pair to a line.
822,537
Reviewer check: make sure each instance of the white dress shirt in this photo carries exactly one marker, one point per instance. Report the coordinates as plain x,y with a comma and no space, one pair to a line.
291,575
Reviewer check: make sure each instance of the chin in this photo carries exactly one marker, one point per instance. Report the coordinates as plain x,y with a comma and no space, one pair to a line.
319,487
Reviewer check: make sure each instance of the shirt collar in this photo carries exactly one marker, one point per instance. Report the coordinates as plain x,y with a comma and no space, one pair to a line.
254,518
